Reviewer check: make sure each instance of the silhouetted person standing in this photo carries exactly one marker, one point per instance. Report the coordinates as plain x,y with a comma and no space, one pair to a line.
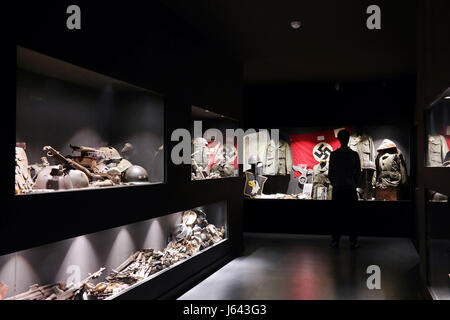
344,174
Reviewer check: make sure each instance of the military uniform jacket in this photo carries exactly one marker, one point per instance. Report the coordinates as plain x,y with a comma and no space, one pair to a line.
201,152
278,163
364,146
437,149
391,170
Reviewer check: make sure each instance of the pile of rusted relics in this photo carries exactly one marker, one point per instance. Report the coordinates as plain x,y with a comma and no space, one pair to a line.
86,167
190,237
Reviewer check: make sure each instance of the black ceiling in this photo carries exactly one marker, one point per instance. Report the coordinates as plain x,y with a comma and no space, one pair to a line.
332,45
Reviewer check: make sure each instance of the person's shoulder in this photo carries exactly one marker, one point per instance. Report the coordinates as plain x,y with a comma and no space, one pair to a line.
336,151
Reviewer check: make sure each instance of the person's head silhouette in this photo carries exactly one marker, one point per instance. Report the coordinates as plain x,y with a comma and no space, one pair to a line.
343,137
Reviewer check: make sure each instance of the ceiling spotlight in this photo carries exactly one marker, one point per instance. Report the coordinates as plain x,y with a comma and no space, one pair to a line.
296,25
447,97
206,111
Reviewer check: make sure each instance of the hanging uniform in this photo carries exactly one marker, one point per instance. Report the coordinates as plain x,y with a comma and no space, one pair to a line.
437,150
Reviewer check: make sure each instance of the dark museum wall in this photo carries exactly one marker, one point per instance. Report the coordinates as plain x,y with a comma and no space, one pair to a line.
150,47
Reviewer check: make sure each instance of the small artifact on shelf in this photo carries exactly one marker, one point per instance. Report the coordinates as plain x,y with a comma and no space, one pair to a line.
24,182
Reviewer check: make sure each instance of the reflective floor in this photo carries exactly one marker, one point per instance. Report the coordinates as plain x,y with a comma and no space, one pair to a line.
292,267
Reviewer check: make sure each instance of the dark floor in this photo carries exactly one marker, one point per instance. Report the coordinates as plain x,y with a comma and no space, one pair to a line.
294,267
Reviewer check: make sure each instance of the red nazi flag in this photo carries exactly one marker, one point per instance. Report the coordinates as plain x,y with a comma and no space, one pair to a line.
311,148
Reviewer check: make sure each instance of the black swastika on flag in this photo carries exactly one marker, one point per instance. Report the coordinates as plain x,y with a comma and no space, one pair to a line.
323,152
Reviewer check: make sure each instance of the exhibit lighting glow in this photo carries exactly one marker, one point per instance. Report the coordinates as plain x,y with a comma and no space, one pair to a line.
296,25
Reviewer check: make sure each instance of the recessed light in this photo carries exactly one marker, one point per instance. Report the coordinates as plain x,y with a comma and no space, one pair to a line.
206,111
296,25
447,97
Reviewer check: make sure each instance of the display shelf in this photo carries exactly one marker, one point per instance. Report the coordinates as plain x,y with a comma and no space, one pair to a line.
160,283
127,249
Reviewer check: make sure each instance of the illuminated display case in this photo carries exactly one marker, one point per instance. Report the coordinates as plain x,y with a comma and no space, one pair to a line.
295,161
112,264
437,126
213,157
77,129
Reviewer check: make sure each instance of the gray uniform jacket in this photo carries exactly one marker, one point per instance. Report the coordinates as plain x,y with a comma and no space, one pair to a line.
200,152
437,149
365,148
278,163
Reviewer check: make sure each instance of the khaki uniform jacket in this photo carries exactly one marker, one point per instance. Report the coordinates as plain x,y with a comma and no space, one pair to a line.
365,148
278,159
437,150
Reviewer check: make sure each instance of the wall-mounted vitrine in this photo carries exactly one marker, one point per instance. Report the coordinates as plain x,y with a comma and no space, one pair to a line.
78,129
437,126
110,264
213,155
295,161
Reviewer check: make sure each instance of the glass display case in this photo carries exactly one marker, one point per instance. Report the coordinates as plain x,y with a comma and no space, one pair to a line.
213,156
437,126
293,163
78,129
438,242
107,264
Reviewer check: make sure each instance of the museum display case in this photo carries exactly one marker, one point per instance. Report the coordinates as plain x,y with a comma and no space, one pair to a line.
78,129
293,163
437,126
437,157
438,245
110,264
213,156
